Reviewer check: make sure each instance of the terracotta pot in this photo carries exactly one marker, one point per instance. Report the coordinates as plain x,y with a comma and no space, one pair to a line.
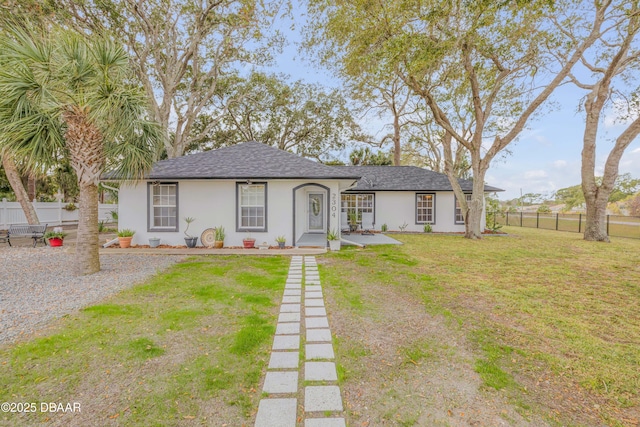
249,243
55,241
125,242
218,244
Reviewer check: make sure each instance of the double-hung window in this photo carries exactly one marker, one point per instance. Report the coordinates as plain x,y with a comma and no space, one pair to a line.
252,206
425,208
459,215
163,206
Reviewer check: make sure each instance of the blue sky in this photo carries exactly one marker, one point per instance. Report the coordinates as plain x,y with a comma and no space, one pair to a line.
544,159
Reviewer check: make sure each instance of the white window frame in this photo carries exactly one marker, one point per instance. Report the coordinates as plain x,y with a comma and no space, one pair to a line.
430,210
164,203
257,202
357,203
458,217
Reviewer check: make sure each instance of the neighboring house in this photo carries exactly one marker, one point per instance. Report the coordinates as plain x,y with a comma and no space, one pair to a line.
255,190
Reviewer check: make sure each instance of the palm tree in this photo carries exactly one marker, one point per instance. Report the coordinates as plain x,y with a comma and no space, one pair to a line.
65,94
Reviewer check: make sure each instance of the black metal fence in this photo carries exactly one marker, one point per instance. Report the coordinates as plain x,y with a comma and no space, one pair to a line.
617,225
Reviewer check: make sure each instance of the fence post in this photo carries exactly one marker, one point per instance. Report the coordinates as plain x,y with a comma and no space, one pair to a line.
557,218
537,219
520,218
580,223
60,210
5,214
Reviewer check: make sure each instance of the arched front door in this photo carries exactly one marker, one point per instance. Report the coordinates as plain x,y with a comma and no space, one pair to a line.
316,213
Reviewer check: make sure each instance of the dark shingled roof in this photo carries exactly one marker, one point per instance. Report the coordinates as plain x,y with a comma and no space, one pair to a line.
247,160
405,178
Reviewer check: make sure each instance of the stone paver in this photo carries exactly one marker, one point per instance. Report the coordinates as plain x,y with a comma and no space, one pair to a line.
284,360
277,413
315,311
313,282
314,294
320,371
316,322
286,342
291,299
316,302
288,328
313,288
290,308
293,286
292,292
325,422
322,398
318,351
281,382
318,335
289,317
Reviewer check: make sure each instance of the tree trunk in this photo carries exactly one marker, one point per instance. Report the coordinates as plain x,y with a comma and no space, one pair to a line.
472,211
397,150
87,244
595,228
473,220
31,186
85,143
13,176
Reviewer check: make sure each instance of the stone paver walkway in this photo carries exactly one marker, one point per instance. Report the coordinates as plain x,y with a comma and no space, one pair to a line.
313,382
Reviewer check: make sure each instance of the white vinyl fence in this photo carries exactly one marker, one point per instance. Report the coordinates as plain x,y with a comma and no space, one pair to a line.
50,213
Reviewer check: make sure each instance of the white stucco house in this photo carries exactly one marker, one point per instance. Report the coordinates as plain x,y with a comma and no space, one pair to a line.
255,190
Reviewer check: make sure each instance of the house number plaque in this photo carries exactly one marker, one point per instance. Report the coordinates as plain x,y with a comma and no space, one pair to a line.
334,203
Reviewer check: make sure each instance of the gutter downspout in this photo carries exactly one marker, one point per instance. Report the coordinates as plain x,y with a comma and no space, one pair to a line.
349,242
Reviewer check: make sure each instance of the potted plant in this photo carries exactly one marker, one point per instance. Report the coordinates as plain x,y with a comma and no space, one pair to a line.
154,242
353,220
334,240
190,240
55,237
248,242
220,235
281,241
124,237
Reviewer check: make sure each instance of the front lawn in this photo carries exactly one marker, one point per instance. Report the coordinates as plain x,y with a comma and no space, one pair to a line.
188,347
544,326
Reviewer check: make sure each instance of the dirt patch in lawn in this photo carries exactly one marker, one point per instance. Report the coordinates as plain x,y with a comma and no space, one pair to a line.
401,364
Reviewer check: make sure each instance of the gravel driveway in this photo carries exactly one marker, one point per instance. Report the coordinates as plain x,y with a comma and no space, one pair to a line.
38,285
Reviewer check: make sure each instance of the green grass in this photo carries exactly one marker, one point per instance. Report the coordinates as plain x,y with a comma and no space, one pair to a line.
534,303
189,344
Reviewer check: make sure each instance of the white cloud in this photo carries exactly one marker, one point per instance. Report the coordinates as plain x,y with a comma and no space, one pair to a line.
560,164
636,151
536,174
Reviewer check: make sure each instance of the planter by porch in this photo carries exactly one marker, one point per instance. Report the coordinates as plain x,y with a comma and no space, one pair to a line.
334,245
218,244
191,241
125,242
55,241
154,242
249,242
281,245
